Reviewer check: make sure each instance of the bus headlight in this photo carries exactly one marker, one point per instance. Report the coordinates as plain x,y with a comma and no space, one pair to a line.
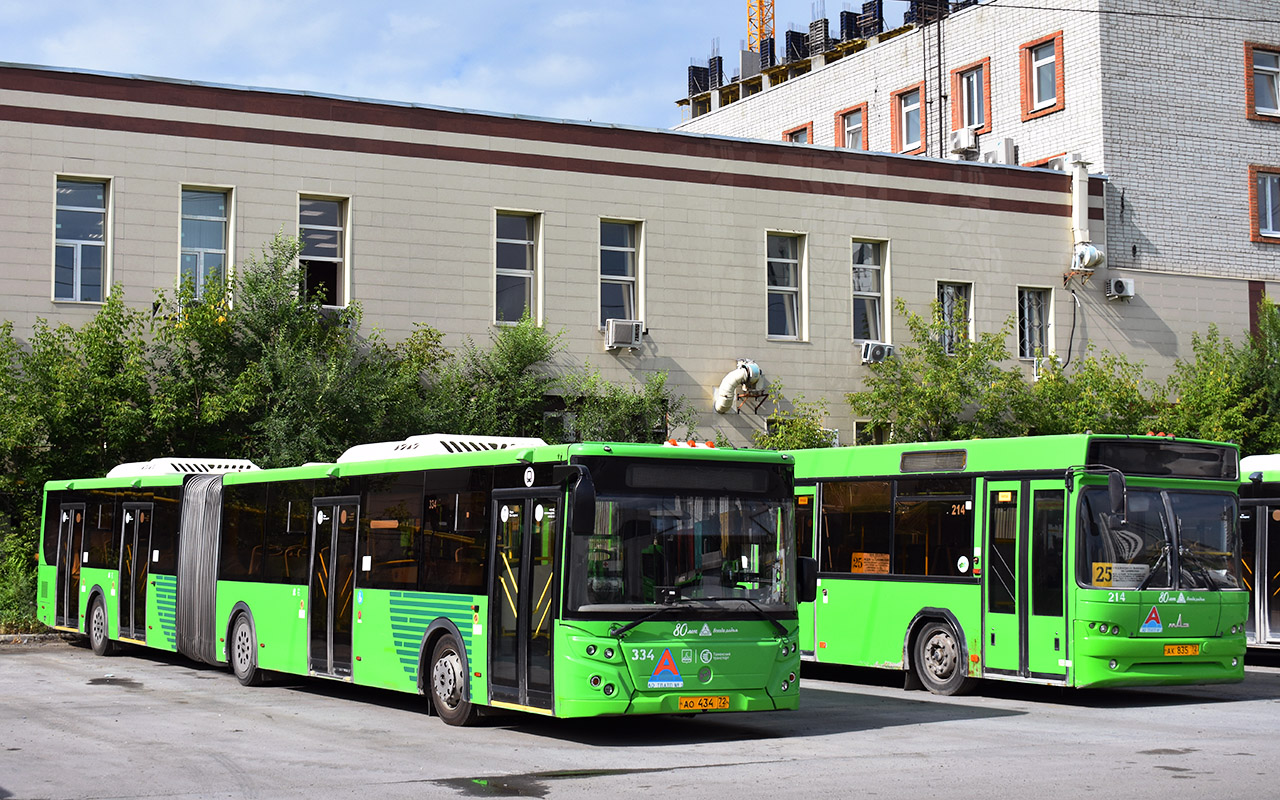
608,653
785,686
1104,628
591,649
1114,664
609,690
1235,661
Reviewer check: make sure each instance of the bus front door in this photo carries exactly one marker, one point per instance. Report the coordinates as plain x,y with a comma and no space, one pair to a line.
70,546
135,557
1024,624
332,583
522,577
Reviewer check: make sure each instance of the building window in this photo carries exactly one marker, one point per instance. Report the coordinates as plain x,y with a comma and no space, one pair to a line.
1033,323
322,231
1263,87
971,90
515,261
204,240
1042,78
784,286
908,120
1264,197
851,127
800,135
80,241
956,313
867,291
619,270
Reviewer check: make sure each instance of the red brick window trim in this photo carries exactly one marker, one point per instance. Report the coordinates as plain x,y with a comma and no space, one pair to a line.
841,116
1043,162
1025,56
1250,84
957,95
1256,172
896,114
789,135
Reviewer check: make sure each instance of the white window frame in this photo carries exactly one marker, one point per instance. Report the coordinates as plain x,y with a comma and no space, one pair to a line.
77,245
852,141
1040,62
1268,190
882,272
797,292
636,281
911,138
1025,352
947,309
973,97
343,288
534,274
227,233
1270,74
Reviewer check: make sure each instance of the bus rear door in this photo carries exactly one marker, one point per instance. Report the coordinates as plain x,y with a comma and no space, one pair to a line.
135,557
70,546
1024,624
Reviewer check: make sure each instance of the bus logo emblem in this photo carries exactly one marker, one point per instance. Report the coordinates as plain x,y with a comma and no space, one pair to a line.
1152,625
666,675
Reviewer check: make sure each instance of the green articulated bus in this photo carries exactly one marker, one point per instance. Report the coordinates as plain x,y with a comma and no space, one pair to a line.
1260,546
1076,560
571,580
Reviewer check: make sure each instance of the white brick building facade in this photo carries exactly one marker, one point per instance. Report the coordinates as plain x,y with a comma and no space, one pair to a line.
1157,98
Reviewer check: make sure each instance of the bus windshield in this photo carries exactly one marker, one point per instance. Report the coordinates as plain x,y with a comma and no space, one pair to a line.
721,551
1166,540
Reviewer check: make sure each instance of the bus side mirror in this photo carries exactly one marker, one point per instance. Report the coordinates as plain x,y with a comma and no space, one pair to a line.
1116,489
807,570
582,497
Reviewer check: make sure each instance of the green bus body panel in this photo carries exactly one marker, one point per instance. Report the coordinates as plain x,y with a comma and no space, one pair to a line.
279,622
388,630
740,659
1139,656
47,599
864,622
162,612
104,580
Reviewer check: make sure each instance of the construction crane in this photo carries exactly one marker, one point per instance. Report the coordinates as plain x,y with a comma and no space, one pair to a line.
759,23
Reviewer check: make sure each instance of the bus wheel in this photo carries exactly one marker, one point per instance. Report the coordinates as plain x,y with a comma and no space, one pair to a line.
244,652
448,683
98,638
937,660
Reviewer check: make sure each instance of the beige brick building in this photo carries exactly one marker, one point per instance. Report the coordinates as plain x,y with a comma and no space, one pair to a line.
724,249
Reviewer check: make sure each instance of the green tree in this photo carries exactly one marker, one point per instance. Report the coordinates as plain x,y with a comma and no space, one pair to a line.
616,412
1101,392
501,391
925,393
1226,391
799,427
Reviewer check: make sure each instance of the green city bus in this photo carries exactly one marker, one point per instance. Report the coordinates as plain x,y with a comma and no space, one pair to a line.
566,580
1260,546
1080,560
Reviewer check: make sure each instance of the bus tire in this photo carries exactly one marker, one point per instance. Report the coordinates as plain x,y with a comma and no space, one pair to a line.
937,660
99,637
448,683
244,652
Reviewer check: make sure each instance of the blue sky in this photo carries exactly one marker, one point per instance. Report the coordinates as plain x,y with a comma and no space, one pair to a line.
604,60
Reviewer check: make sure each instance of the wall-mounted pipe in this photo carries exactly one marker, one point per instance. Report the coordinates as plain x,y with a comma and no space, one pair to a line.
746,375
1084,255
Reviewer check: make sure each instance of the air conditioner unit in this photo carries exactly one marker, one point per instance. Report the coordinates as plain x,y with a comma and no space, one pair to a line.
1120,288
1002,152
620,333
1042,365
875,352
963,141
1058,162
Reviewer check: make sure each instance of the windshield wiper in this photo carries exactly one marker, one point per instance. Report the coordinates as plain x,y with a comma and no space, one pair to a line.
763,614
669,599
1197,564
1164,553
